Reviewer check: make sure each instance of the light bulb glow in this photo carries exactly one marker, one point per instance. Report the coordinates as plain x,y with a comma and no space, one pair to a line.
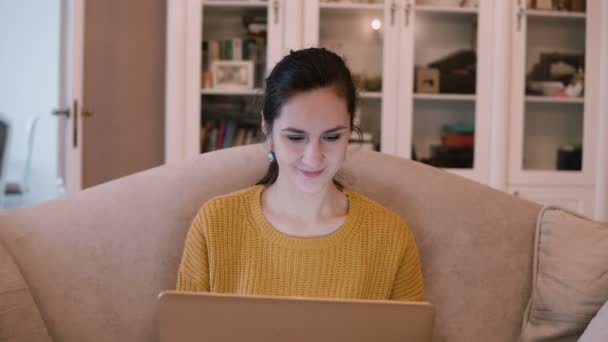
376,24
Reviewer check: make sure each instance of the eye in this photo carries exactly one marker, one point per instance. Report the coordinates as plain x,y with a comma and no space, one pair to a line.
332,137
295,138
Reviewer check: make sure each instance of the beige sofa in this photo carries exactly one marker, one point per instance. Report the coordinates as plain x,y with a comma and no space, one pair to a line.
89,267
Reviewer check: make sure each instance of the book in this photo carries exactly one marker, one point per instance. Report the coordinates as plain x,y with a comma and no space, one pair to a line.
212,139
208,136
203,132
240,136
229,135
220,135
213,50
237,49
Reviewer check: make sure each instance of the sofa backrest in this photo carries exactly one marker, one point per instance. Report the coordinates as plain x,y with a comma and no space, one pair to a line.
96,261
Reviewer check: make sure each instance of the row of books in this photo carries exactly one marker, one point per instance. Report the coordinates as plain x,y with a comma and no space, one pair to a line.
218,134
235,49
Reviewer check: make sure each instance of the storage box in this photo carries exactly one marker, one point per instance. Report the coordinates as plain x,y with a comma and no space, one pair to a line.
427,80
578,5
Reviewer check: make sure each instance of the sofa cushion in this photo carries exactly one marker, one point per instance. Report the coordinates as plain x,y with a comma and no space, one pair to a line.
19,316
597,331
570,280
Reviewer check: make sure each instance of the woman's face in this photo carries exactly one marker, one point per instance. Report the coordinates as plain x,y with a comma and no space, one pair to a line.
310,137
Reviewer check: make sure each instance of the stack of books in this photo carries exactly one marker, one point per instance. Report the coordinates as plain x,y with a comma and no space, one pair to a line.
457,147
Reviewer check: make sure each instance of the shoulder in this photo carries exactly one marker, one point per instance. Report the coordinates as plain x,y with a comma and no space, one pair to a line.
379,218
230,203
373,208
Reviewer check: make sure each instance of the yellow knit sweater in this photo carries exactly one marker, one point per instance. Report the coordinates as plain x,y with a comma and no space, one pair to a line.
232,248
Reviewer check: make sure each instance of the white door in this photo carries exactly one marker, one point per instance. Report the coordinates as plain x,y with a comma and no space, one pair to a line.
41,60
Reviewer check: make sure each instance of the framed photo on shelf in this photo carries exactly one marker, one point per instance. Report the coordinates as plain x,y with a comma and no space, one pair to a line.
546,5
232,74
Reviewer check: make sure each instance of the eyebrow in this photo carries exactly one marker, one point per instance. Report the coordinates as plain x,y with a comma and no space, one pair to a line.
299,131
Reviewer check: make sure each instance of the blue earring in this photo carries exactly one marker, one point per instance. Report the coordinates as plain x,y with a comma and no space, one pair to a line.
271,157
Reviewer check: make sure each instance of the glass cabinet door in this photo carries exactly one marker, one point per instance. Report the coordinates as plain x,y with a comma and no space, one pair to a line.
355,30
549,126
235,54
449,111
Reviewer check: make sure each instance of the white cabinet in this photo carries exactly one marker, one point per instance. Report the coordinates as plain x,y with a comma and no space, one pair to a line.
553,146
485,119
389,40
548,131
198,29
356,31
575,198
434,126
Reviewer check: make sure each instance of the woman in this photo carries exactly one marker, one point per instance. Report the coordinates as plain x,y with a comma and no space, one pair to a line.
299,232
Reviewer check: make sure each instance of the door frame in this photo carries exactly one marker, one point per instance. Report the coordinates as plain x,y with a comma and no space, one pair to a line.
70,96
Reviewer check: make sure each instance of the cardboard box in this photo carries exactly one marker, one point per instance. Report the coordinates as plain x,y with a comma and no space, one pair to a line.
578,5
427,80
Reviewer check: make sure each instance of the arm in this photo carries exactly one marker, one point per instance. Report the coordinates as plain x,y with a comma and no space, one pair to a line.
193,272
408,284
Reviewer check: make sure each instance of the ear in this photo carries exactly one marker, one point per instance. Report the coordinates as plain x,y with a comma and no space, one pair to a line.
263,123
264,127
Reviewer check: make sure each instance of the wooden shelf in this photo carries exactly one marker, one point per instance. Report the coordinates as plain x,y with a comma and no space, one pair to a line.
554,99
447,9
353,6
233,4
556,14
370,94
229,92
445,97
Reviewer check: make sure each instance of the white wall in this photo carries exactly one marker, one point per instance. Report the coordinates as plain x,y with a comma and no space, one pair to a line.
29,79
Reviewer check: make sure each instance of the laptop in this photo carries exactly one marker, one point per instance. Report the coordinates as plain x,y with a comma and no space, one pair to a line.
190,317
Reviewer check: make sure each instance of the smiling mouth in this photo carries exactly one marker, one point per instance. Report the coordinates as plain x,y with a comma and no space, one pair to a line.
311,174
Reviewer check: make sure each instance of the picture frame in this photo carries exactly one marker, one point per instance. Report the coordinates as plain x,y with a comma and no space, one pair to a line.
546,5
232,75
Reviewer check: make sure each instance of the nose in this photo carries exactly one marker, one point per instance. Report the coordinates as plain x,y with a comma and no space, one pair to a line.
313,156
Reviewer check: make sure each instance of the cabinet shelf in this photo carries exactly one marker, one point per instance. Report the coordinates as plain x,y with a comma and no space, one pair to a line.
370,94
235,92
553,99
445,97
446,9
555,14
235,4
353,6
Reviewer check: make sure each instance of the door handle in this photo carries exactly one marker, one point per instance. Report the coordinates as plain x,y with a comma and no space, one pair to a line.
275,7
393,9
61,112
408,11
87,113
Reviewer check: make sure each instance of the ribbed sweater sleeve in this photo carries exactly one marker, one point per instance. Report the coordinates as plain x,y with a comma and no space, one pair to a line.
193,273
408,281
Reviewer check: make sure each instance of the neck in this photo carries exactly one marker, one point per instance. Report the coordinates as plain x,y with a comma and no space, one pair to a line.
283,198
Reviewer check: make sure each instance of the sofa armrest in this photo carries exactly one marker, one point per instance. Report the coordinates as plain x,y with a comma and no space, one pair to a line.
20,319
